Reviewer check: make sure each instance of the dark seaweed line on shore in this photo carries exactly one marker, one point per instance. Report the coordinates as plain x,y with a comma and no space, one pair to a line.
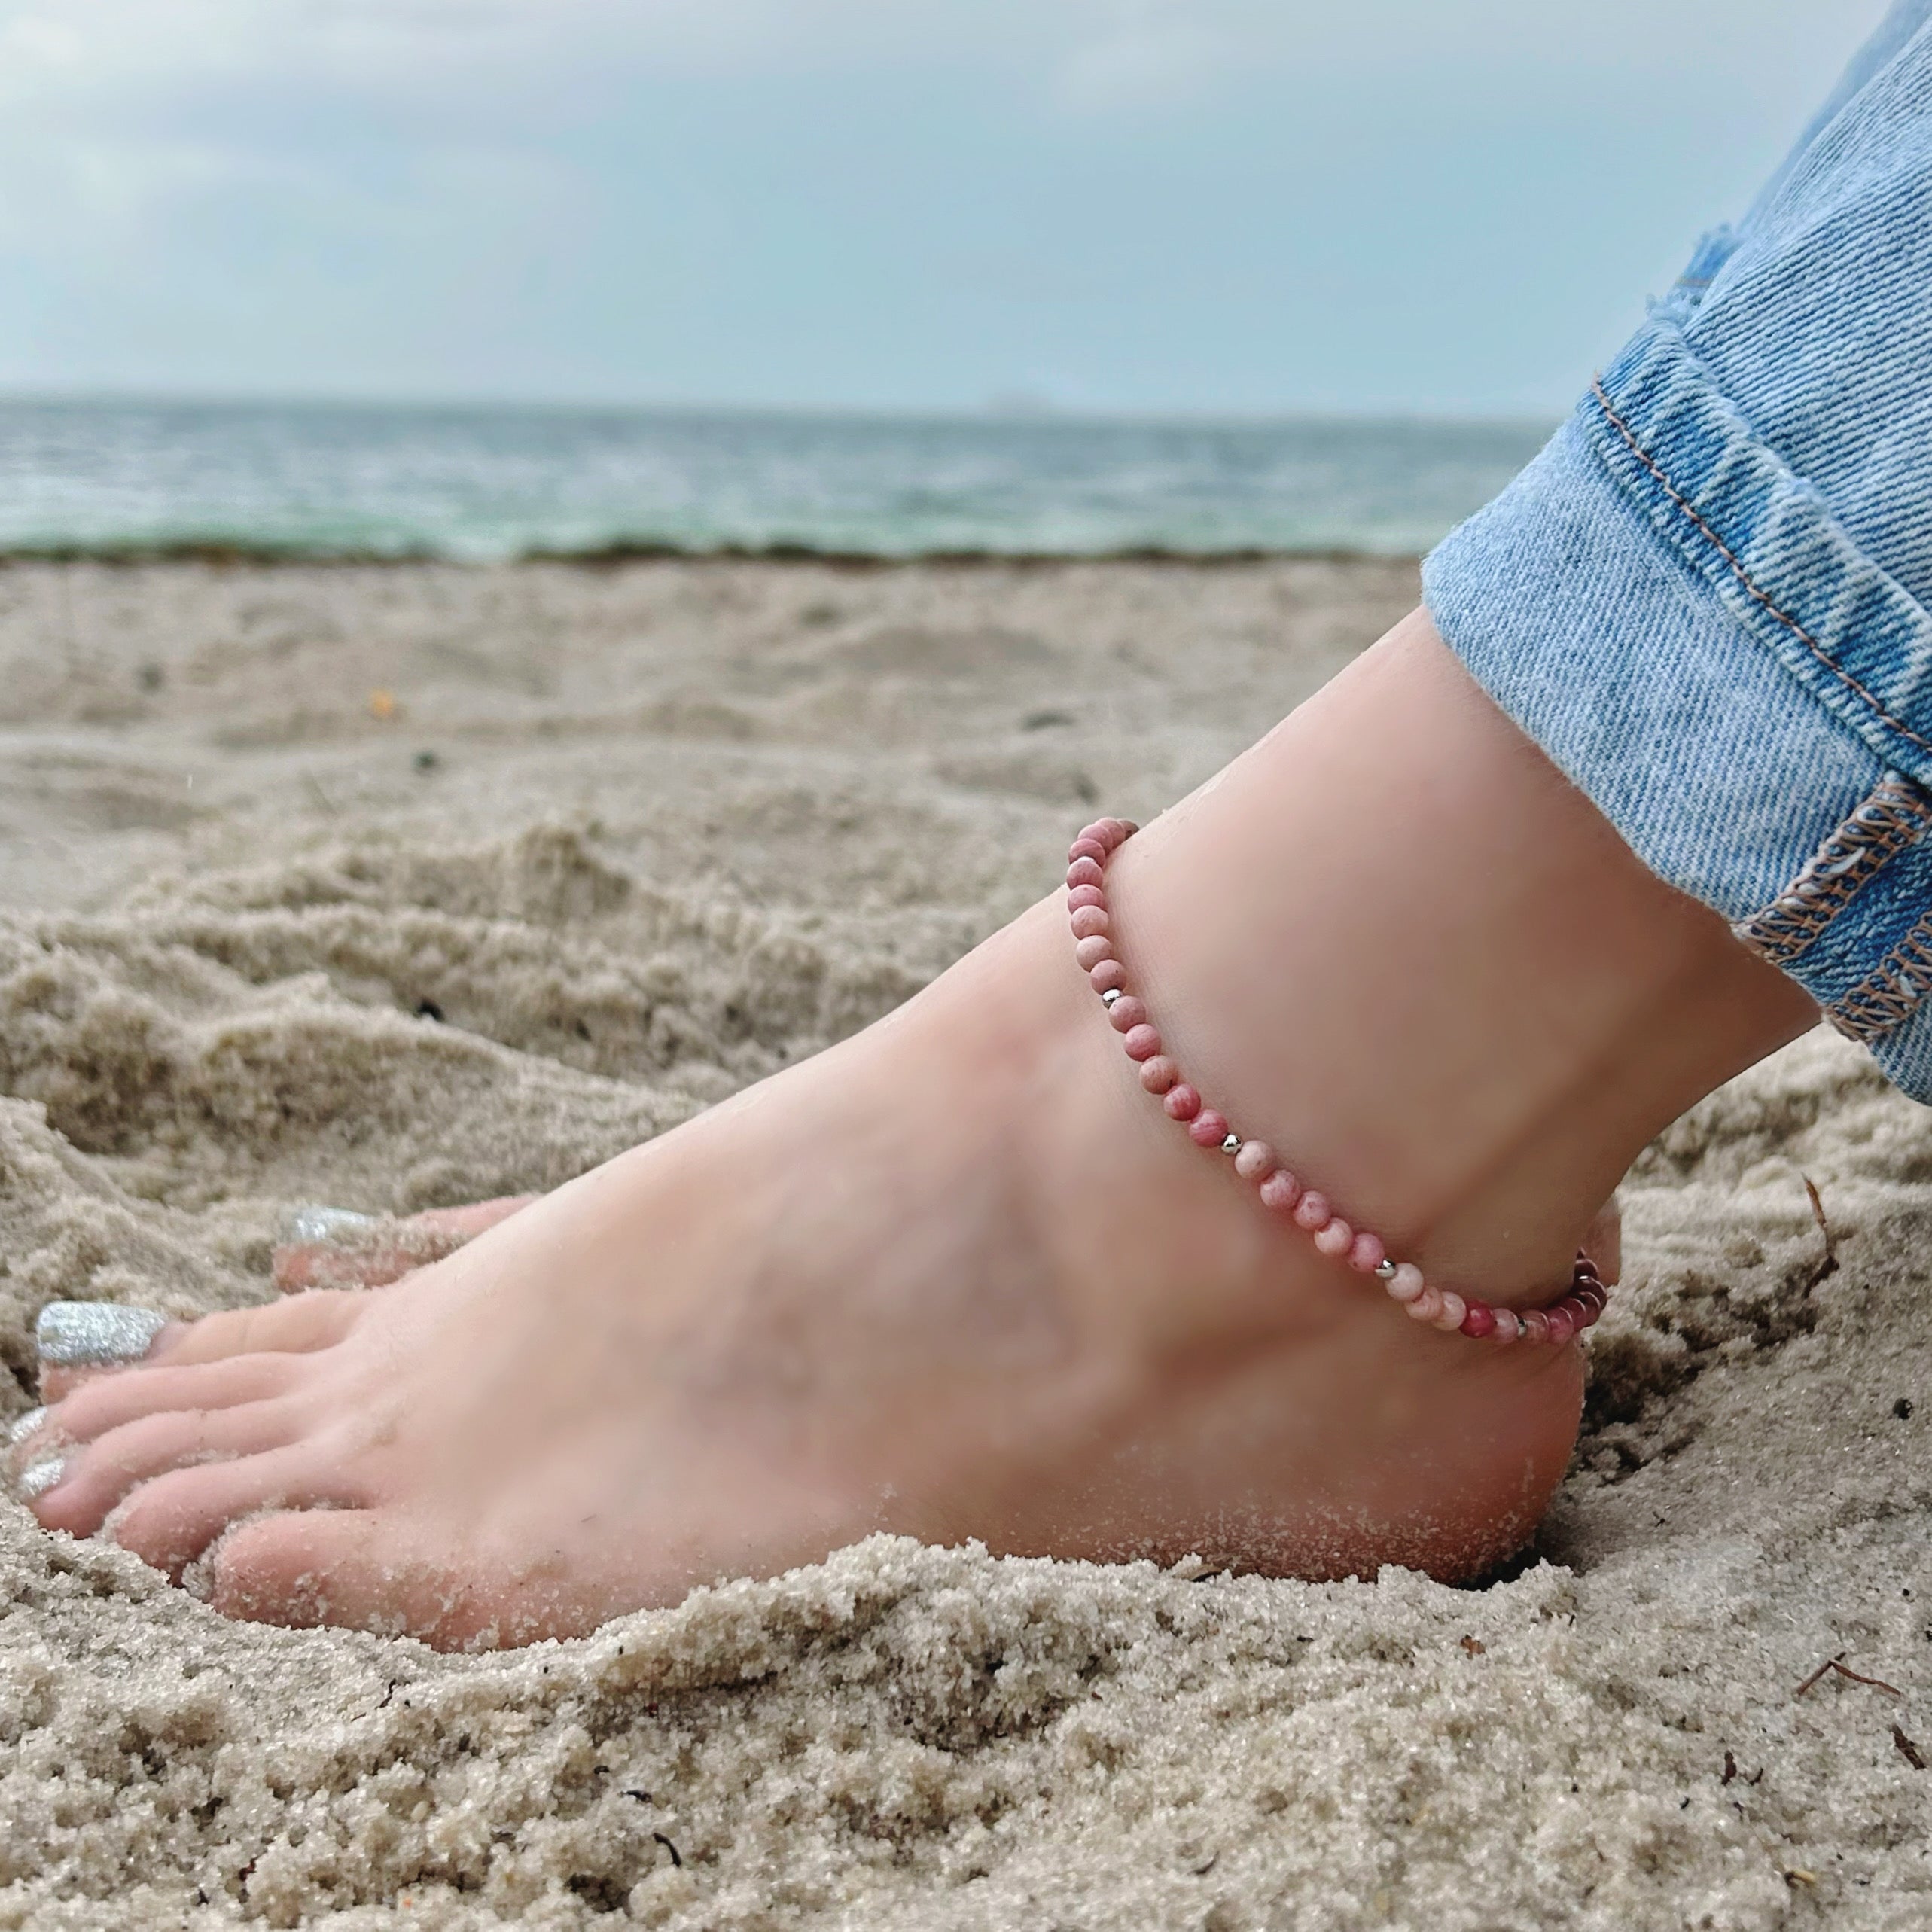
225,555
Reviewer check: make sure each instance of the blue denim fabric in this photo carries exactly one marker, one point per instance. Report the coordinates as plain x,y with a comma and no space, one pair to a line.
1709,598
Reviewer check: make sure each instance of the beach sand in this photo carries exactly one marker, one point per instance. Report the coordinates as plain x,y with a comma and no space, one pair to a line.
393,887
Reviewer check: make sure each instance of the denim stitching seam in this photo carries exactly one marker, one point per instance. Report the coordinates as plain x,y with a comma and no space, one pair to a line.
1743,575
1891,817
1893,992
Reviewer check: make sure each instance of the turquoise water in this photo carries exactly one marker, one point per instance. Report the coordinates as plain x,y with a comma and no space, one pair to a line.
487,483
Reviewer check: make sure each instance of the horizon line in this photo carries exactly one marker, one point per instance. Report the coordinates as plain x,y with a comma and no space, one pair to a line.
1016,412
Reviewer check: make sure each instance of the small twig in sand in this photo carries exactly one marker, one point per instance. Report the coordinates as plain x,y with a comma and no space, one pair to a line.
1907,1749
677,1857
1816,1674
1730,1768
1838,1664
1828,1266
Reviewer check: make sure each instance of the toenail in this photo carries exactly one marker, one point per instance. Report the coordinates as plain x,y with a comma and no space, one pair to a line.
312,1222
38,1478
76,1334
22,1426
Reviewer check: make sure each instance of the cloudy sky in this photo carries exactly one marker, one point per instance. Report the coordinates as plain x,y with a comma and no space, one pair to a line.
1447,205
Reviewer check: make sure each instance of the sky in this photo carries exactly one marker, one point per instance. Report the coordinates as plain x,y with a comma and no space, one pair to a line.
1233,207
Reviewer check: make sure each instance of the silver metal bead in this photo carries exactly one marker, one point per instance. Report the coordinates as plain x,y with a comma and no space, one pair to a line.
1108,998
1231,1144
1385,1271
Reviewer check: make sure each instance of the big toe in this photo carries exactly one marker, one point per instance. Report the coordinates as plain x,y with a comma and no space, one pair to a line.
355,1569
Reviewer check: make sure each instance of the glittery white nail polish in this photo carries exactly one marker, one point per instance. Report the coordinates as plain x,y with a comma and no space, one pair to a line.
36,1482
22,1426
77,1334
314,1223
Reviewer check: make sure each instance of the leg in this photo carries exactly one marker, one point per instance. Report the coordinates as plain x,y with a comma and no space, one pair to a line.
957,1277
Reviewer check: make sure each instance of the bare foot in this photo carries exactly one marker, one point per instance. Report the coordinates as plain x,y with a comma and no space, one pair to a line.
958,1277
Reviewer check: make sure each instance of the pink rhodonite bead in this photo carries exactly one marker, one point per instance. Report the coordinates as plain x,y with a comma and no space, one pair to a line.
1142,1043
1108,976
1535,1325
1159,1074
1125,1014
1335,1238
1091,952
1280,1191
1426,1305
1085,895
1208,1129
1182,1103
1090,921
1084,847
1407,1283
1453,1310
1255,1158
1478,1321
1368,1253
1560,1325
1085,872
1508,1327
1313,1211
1097,832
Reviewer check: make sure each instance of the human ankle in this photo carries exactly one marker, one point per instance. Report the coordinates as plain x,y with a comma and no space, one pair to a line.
1395,941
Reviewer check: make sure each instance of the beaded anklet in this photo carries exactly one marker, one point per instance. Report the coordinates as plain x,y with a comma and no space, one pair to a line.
1254,1161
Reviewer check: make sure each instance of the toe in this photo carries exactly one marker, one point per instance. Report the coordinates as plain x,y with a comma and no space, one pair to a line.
109,1402
352,1569
465,1224
320,1264
169,1522
318,1261
95,1478
299,1326
77,1340
369,1570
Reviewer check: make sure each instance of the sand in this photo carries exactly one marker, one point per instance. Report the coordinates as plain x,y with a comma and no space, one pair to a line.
390,888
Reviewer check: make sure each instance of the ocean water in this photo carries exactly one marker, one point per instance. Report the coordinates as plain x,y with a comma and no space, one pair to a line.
487,483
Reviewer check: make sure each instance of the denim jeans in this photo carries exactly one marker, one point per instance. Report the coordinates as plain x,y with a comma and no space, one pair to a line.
1709,599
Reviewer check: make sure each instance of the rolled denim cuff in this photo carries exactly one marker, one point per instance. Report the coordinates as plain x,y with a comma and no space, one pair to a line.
1693,635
